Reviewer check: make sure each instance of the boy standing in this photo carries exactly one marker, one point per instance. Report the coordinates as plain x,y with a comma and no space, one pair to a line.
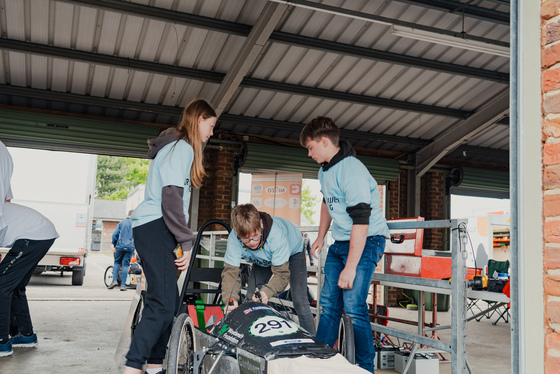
274,247
351,202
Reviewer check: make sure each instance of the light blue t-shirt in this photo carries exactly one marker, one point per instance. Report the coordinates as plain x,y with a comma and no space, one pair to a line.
346,184
170,167
283,241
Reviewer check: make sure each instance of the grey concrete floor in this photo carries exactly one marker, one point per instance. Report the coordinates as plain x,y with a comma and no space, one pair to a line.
79,328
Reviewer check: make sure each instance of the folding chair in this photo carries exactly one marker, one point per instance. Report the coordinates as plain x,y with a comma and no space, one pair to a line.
505,313
493,267
497,266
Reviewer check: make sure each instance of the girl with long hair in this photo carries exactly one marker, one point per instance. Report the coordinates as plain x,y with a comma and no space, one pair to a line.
160,223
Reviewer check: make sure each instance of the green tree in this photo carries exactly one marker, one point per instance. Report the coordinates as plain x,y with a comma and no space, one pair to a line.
308,202
117,176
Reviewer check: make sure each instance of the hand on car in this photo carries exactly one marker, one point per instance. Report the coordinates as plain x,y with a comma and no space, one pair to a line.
263,299
229,308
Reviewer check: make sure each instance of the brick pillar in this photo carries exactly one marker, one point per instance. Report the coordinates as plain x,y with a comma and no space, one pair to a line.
432,207
398,196
397,209
215,194
550,58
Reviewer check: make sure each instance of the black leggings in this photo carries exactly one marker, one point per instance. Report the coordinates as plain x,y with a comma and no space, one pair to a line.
15,272
155,243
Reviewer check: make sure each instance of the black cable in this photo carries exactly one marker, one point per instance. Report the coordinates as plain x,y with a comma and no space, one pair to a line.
278,297
273,294
235,281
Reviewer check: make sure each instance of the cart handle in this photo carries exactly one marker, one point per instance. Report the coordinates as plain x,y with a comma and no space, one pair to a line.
195,250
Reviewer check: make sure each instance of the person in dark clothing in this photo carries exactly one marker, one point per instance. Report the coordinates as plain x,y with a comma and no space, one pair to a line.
160,222
123,248
29,235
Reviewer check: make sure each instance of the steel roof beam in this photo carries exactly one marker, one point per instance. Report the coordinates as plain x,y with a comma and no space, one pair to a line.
458,8
287,38
170,70
354,98
297,127
174,111
369,17
254,43
487,115
378,55
109,60
88,100
493,152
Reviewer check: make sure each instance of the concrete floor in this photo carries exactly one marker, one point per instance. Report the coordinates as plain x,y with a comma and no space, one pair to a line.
79,328
488,346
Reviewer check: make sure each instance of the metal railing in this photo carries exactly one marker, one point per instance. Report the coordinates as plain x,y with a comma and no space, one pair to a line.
456,287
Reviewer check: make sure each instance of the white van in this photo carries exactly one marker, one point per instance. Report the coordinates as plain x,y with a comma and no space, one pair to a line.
60,186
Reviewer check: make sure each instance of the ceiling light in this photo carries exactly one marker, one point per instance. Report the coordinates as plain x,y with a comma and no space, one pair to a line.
452,41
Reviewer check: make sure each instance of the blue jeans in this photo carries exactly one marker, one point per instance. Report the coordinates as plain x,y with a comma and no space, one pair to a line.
353,301
122,258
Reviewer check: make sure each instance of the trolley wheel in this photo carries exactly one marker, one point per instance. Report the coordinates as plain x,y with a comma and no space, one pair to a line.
346,339
180,354
108,278
138,313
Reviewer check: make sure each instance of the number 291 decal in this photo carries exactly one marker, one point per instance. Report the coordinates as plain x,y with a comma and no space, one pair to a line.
272,326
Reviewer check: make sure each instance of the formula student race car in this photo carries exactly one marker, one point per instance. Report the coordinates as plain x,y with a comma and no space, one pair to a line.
255,338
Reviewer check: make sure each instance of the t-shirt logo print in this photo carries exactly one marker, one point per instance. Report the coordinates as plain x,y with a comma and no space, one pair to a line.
188,183
332,200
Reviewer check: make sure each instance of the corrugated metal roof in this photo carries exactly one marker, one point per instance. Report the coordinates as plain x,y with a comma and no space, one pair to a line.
143,61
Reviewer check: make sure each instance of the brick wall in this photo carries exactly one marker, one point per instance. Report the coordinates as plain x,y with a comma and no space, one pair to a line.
215,194
396,209
397,196
550,62
107,236
432,207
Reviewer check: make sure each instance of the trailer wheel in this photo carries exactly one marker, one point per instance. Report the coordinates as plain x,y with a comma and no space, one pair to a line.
180,354
77,277
346,339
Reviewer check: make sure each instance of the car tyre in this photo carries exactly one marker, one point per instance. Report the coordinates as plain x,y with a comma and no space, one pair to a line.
77,277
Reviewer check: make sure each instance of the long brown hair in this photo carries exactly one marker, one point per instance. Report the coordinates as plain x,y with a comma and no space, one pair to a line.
188,130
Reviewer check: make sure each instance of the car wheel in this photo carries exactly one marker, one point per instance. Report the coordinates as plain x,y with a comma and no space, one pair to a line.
77,277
